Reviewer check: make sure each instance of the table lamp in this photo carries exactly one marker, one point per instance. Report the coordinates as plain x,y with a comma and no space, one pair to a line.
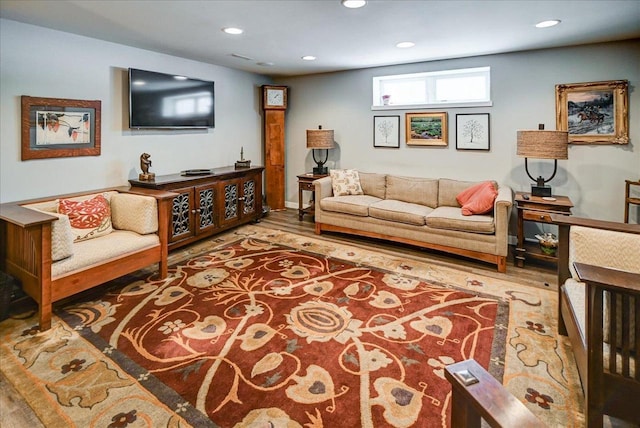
320,139
543,144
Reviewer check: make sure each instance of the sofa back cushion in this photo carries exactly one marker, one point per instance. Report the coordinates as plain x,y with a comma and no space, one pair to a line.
423,191
89,218
373,184
136,213
345,182
448,190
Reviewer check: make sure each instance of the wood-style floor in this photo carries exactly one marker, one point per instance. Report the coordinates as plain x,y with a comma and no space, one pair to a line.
15,413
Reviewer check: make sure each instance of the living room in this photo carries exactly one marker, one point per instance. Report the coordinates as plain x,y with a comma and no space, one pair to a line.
43,62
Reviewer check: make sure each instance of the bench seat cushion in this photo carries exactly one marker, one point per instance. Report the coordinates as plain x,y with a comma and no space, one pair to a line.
452,218
102,249
403,212
352,204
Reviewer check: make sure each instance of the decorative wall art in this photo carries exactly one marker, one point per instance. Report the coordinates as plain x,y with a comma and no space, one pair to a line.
593,112
386,131
426,129
54,127
472,131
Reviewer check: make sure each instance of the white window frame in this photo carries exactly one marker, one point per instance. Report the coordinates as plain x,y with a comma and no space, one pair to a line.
430,79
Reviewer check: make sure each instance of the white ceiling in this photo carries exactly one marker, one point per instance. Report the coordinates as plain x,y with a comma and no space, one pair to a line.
281,32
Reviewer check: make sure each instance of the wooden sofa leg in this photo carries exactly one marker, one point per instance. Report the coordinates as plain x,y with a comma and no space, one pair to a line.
501,263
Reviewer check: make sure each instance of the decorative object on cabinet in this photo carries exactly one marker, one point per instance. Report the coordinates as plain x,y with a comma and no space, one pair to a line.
242,163
426,129
472,131
537,209
274,103
542,144
320,139
594,112
145,164
210,203
629,199
386,131
305,183
55,127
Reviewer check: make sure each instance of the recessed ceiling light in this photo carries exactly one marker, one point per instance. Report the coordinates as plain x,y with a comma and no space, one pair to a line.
179,77
549,23
309,58
353,4
405,45
233,30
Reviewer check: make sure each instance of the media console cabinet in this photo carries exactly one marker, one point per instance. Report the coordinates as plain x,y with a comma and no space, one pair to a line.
209,203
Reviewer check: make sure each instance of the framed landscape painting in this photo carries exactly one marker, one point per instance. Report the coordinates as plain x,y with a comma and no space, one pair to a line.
386,131
472,131
593,112
426,129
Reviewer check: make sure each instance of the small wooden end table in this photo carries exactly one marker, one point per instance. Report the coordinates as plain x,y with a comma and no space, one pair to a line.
539,210
305,182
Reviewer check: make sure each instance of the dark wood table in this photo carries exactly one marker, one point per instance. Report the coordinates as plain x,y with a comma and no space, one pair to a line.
305,183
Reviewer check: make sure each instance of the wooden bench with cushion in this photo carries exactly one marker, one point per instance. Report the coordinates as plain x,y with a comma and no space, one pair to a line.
59,246
599,309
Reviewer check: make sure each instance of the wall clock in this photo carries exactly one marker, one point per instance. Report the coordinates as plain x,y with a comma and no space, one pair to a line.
274,103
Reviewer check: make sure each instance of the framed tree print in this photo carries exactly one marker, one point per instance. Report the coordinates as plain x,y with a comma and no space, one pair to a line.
386,131
472,131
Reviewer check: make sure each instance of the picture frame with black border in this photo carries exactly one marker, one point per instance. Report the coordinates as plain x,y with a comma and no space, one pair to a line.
386,131
473,131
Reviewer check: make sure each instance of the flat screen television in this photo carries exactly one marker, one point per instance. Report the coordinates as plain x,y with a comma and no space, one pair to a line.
159,100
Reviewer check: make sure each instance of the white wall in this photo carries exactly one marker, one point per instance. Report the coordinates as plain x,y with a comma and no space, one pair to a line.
44,63
523,93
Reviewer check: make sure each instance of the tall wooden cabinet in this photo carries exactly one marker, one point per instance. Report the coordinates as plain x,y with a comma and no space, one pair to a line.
208,204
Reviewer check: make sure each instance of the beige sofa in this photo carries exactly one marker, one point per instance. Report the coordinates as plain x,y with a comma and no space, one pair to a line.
53,260
417,211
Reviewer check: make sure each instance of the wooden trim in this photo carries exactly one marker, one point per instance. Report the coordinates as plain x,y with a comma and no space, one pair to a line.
499,261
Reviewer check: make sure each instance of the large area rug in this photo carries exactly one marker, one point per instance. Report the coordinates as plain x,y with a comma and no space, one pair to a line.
263,328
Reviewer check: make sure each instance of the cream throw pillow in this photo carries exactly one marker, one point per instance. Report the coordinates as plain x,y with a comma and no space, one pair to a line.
345,182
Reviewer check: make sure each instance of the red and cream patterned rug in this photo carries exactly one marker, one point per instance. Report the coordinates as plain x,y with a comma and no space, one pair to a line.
263,328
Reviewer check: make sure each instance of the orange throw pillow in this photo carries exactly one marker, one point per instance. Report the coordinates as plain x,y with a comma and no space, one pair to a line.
89,218
477,199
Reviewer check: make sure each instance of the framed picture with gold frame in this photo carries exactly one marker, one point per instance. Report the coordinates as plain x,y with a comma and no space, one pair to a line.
593,112
426,129
55,127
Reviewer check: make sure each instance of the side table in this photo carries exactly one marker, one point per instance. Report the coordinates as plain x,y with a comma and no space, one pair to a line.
628,199
536,209
305,182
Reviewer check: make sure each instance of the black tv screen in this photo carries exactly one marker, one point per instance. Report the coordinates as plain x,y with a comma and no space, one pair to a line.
158,100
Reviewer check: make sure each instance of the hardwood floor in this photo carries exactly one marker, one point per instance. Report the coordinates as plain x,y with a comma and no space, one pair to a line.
15,413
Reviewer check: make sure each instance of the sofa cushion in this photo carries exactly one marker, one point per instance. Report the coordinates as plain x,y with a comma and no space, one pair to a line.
452,218
373,184
478,199
89,218
448,190
423,191
352,204
404,212
61,234
345,182
134,212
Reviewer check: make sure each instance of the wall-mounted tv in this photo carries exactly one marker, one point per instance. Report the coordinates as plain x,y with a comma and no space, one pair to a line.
159,100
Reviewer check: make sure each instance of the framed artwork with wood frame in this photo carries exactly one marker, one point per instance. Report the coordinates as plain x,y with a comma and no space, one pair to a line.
426,129
594,112
55,127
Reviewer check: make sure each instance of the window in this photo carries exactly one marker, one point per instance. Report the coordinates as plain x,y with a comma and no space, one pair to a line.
468,87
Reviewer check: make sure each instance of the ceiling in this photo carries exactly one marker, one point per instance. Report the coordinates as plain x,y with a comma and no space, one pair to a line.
281,32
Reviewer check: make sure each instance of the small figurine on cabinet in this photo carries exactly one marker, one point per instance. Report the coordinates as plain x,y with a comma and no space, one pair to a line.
145,163
242,163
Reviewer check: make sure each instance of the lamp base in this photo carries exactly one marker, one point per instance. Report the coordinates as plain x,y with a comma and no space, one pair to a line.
320,170
540,190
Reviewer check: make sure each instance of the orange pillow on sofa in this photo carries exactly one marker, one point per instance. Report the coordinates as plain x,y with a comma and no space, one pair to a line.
89,218
477,199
